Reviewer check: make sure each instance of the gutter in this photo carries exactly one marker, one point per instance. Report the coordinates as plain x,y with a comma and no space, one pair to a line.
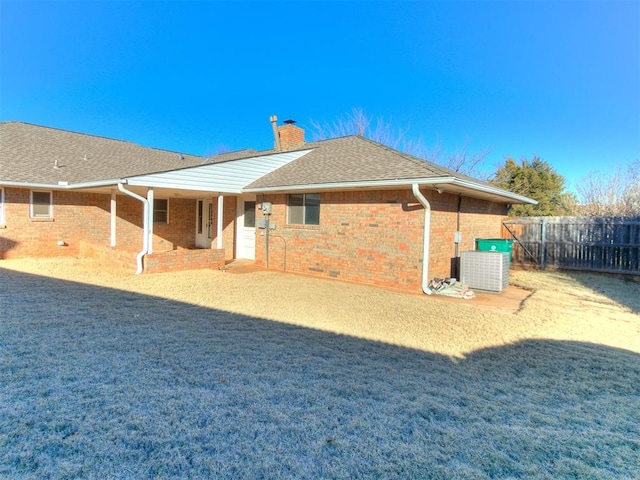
399,183
492,190
425,237
145,226
47,186
61,185
99,183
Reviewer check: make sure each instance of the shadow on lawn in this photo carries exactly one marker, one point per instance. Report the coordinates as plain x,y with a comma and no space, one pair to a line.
101,383
622,289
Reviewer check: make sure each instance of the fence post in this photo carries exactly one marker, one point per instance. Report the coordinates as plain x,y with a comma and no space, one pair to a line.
543,244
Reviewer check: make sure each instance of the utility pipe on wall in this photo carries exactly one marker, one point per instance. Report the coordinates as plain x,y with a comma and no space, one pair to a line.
425,237
457,253
145,226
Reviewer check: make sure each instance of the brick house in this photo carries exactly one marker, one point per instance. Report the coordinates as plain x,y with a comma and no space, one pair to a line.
346,208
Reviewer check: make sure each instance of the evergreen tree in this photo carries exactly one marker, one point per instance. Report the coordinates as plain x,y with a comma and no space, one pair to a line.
537,180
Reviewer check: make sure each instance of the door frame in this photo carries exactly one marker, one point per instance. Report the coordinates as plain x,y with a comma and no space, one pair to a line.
204,223
242,231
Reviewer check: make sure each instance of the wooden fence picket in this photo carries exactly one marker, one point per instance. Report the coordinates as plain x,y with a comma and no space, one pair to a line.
602,244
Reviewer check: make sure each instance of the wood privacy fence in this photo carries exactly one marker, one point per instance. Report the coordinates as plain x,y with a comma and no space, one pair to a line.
601,244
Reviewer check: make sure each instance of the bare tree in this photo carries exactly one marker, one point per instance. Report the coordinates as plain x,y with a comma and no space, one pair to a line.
470,163
613,193
357,122
219,149
631,198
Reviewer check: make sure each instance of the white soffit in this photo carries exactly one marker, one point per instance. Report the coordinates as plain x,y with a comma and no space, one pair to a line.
225,177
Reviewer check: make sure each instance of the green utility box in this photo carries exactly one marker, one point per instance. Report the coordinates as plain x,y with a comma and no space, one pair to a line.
495,245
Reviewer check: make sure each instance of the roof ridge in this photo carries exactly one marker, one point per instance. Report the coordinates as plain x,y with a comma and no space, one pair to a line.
100,137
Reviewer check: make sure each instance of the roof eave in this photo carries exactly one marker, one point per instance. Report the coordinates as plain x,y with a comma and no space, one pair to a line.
367,184
96,184
49,186
485,188
448,184
63,185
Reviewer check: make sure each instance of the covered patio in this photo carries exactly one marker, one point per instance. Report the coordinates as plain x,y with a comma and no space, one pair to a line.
216,221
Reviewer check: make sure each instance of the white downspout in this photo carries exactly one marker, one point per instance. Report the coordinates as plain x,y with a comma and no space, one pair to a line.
113,206
145,226
425,242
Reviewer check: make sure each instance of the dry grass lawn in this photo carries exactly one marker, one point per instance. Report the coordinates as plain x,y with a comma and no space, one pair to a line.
564,306
206,374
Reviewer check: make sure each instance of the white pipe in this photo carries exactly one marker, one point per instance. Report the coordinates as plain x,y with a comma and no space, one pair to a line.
145,226
425,241
219,222
113,205
150,200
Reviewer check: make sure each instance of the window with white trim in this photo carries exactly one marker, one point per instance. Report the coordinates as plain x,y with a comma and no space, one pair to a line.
303,208
41,204
161,210
1,206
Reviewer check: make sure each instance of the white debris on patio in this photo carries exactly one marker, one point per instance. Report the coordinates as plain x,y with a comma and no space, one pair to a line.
450,287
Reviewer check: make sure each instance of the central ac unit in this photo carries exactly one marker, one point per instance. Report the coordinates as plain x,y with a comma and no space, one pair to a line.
485,270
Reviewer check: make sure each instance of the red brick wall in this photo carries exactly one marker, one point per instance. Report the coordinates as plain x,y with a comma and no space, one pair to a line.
85,217
372,237
180,232
478,219
184,259
291,137
106,256
75,216
375,237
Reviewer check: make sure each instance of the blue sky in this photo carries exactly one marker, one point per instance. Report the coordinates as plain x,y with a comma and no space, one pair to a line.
560,80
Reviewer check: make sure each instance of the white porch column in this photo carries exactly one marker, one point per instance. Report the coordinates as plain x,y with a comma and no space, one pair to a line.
150,232
112,211
219,222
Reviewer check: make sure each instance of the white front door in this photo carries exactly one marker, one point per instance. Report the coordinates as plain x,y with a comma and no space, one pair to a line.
246,228
204,223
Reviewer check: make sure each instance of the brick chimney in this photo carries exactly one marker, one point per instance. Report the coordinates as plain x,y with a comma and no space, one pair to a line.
291,136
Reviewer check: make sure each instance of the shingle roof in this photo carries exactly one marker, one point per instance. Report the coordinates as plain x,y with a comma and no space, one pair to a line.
351,159
33,154
229,156
28,153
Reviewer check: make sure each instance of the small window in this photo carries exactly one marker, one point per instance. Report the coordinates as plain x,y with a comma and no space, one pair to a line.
41,204
304,208
249,214
1,206
200,215
161,210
